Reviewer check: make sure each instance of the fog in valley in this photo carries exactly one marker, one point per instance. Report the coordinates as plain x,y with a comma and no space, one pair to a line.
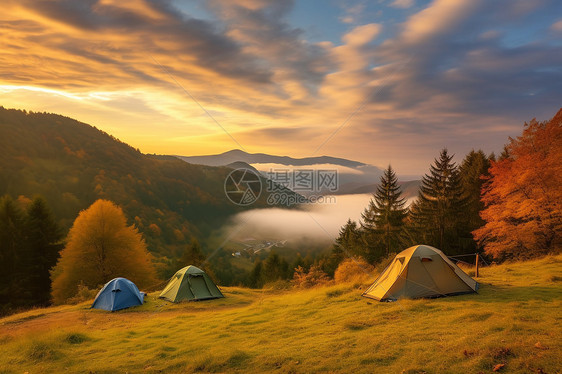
320,221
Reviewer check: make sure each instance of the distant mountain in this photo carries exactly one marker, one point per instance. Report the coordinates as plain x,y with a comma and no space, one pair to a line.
354,177
241,165
72,164
262,158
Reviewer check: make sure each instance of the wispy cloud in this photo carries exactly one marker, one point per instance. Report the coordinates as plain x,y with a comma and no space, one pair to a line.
403,4
557,26
471,64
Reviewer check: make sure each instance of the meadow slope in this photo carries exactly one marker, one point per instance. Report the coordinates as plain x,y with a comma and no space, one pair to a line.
516,320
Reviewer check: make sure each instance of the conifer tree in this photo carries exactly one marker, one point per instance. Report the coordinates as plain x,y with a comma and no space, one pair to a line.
299,261
29,246
473,171
11,230
348,241
43,242
384,217
439,212
274,268
193,255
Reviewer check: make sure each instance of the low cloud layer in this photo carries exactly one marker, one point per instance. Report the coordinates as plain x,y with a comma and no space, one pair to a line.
321,221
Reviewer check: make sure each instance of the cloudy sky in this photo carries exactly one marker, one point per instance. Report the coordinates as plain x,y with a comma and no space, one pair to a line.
380,81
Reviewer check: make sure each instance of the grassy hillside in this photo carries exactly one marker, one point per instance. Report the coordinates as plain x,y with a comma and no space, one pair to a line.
515,320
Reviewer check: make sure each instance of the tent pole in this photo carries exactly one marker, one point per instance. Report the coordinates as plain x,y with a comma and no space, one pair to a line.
477,265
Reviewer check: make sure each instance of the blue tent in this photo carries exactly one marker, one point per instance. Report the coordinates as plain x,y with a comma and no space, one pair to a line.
118,293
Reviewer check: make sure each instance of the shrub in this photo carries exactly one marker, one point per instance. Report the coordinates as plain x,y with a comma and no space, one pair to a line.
314,277
354,269
83,294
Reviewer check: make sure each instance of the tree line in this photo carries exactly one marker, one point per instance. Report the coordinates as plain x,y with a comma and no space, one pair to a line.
505,208
30,241
443,215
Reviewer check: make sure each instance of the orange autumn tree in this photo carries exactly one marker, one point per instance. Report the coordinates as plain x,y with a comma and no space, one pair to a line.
523,195
101,247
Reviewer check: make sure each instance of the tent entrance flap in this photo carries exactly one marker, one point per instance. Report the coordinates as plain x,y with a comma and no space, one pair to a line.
199,287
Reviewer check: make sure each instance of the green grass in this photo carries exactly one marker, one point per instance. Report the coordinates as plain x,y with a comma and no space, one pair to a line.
329,329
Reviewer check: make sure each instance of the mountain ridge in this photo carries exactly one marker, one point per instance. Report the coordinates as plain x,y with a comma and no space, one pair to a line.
234,155
355,178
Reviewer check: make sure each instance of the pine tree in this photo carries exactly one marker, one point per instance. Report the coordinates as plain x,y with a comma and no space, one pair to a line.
473,171
299,261
369,217
333,260
43,242
439,212
505,153
11,232
383,219
348,241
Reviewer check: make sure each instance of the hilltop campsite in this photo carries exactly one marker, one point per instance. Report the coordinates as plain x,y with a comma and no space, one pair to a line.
265,186
417,301
514,320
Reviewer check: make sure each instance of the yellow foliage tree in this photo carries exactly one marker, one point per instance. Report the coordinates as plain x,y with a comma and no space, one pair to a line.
101,247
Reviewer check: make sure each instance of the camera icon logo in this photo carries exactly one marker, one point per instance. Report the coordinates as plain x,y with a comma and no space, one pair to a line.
243,186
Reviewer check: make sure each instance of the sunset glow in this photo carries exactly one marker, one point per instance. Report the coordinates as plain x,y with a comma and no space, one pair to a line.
379,83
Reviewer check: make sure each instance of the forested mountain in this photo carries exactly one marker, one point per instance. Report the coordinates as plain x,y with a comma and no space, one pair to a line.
71,164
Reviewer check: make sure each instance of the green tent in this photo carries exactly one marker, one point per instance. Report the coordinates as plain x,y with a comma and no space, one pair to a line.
190,283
